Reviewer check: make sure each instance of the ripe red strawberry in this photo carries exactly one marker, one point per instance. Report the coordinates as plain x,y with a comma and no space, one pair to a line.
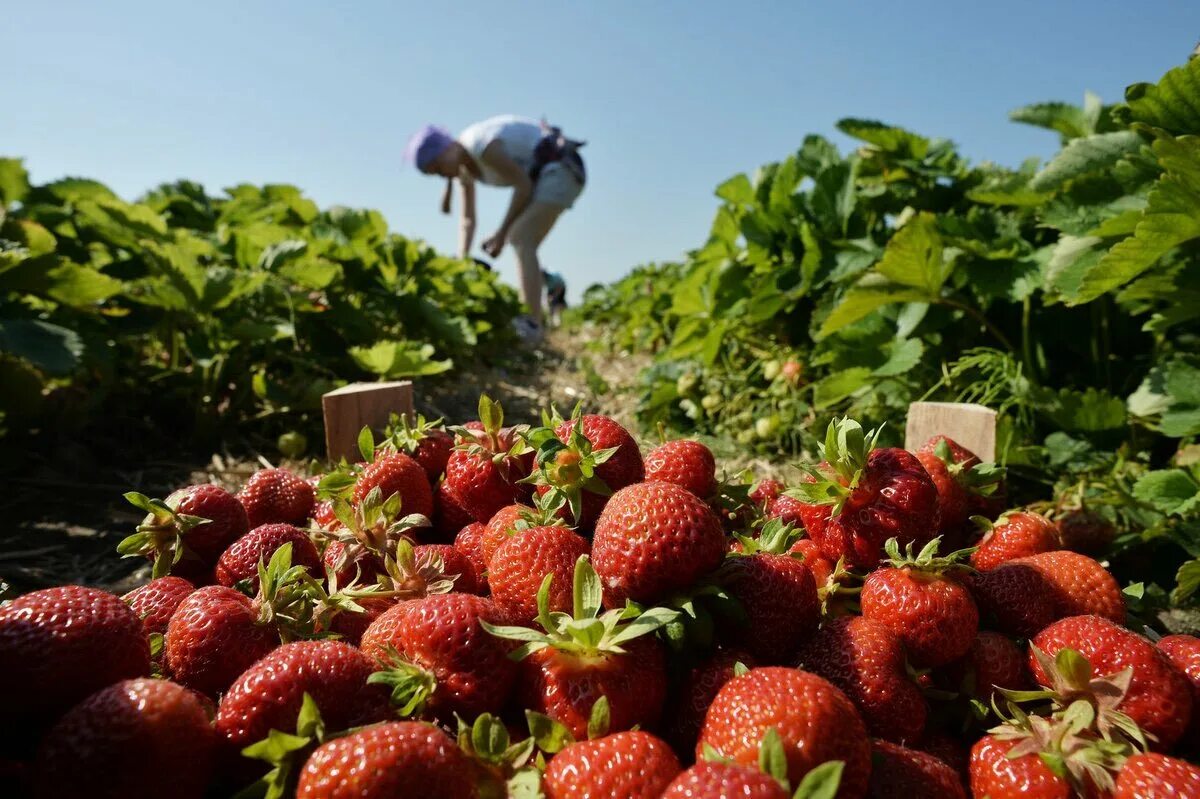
722,781
994,661
898,772
779,597
765,491
950,749
860,497
965,485
397,473
156,601
1151,776
654,539
323,515
469,542
1027,594
685,463
122,741
455,565
214,635
397,760
276,496
186,533
865,659
454,663
1184,652
995,775
1159,697
449,515
240,562
814,720
695,693
1015,535
351,625
787,510
500,528
268,695
1086,531
822,568
485,469
61,644
518,566
921,600
428,443
636,765
585,437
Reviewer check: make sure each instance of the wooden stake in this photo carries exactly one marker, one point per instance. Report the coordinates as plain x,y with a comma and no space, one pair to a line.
972,426
348,409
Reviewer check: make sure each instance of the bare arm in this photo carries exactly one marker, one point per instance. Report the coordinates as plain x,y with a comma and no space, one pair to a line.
466,225
522,185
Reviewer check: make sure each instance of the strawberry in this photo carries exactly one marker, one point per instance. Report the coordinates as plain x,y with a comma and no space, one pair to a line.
455,566
813,719
583,656
865,659
123,740
397,474
860,497
898,772
1015,535
1151,776
428,443
369,534
636,765
240,562
951,750
724,781
652,540
156,601
779,598
964,484
469,542
997,774
1027,594
582,462
61,644
186,533
518,567
485,470
765,491
440,656
449,515
695,693
920,600
351,624
500,527
276,496
685,463
1086,531
323,515
269,694
787,510
397,760
822,568
993,661
1184,652
1159,696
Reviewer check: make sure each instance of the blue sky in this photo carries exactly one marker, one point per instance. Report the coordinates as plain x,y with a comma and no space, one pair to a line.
672,96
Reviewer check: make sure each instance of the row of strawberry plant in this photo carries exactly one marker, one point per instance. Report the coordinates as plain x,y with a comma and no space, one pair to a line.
203,312
1066,294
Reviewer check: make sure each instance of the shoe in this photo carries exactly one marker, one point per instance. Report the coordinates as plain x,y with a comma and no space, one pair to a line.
529,331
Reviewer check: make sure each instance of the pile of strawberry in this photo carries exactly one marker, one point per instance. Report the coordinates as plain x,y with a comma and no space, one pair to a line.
543,611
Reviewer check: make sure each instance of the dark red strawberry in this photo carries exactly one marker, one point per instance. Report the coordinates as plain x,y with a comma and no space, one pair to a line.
451,664
922,601
898,772
186,533
397,760
787,510
1084,530
449,515
1184,652
485,469
240,562
685,463
518,567
814,720
723,781
695,692
469,542
351,625
1015,535
636,765
397,474
1025,595
1159,695
124,740
860,497
779,598
865,659
1151,776
156,601
428,443
61,644
994,661
765,491
965,485
276,496
654,539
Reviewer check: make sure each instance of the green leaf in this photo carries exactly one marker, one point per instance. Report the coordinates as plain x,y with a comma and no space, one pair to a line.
54,350
14,181
599,719
1068,120
1086,411
1187,582
1172,491
737,190
903,355
61,280
551,736
822,782
393,359
1085,155
366,444
832,389
587,591
1172,104
888,138
772,759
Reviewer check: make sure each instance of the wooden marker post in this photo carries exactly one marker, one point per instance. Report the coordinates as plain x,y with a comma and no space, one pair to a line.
972,426
348,409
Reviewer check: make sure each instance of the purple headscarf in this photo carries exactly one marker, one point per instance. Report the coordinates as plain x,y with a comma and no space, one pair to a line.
427,144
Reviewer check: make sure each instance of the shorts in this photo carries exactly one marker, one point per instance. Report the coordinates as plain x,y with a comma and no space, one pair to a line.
557,185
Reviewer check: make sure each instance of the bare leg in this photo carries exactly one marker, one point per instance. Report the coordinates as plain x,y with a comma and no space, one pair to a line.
525,236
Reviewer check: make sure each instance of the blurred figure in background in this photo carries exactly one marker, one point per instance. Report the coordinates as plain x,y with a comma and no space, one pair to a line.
556,296
541,166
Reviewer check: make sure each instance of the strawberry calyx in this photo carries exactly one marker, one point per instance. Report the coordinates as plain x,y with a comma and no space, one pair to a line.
844,456
162,534
584,632
982,479
285,752
403,434
821,781
496,443
927,561
287,596
775,538
411,686
566,468
505,767
374,526
551,736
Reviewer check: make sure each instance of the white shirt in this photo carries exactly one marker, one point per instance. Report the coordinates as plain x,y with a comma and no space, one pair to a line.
518,135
